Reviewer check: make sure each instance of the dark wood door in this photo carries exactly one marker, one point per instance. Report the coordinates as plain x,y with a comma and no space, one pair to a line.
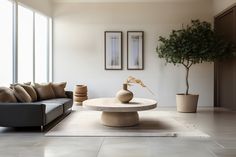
225,71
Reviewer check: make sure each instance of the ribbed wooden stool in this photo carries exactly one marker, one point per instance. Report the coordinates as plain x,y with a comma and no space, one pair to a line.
80,94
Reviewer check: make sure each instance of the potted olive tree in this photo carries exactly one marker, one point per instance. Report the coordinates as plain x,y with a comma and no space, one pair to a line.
193,44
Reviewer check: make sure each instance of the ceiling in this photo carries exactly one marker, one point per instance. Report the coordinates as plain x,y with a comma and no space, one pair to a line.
120,1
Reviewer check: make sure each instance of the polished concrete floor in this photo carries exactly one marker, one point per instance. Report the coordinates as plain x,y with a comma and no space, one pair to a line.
220,124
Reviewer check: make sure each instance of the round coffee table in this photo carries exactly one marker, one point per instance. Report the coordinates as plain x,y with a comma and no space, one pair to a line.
117,114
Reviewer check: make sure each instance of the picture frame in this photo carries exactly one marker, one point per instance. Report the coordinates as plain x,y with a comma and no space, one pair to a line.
135,50
113,50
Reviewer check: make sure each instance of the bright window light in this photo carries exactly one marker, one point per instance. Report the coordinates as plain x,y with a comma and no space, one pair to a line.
41,48
31,59
6,42
25,44
50,51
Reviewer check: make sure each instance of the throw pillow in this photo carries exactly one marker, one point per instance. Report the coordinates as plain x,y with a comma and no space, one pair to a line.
44,91
7,95
31,91
21,94
27,83
59,89
28,88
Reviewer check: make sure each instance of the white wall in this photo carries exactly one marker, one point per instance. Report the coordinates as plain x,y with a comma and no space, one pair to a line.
220,5
79,47
43,6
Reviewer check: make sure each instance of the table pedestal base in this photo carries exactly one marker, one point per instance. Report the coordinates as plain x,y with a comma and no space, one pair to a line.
119,119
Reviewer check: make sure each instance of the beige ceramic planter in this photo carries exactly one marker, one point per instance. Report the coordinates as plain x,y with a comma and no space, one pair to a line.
186,103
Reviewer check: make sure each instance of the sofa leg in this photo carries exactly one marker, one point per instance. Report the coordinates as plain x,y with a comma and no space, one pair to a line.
42,129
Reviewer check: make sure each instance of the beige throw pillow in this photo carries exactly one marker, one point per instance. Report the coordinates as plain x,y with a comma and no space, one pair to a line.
59,89
7,95
28,88
44,91
27,83
31,91
21,94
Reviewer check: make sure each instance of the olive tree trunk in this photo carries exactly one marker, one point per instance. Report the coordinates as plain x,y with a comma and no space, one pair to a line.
186,79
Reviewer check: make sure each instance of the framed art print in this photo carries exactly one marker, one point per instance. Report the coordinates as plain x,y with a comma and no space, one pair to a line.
135,50
113,50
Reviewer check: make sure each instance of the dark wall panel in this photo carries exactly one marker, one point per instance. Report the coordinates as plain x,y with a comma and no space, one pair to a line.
225,71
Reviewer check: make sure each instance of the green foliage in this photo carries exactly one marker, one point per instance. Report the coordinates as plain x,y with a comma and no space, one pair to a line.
196,43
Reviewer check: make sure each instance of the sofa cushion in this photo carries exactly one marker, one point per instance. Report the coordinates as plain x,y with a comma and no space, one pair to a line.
65,102
21,94
53,111
59,89
7,95
44,91
30,90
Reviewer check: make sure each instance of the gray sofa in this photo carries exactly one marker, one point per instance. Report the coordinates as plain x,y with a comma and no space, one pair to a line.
39,113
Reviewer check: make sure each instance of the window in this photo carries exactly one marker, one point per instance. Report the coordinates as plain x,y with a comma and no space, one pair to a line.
26,48
34,44
41,48
25,44
50,51
6,40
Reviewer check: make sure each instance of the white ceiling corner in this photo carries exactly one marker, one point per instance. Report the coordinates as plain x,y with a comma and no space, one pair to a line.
120,1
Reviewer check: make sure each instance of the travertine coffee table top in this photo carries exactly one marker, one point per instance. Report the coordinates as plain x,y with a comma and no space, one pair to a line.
113,105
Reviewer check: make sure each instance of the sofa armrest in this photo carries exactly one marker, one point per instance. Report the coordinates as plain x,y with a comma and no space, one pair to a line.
22,114
69,94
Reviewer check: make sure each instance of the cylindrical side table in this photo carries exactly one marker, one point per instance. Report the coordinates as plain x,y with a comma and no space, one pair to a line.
80,94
